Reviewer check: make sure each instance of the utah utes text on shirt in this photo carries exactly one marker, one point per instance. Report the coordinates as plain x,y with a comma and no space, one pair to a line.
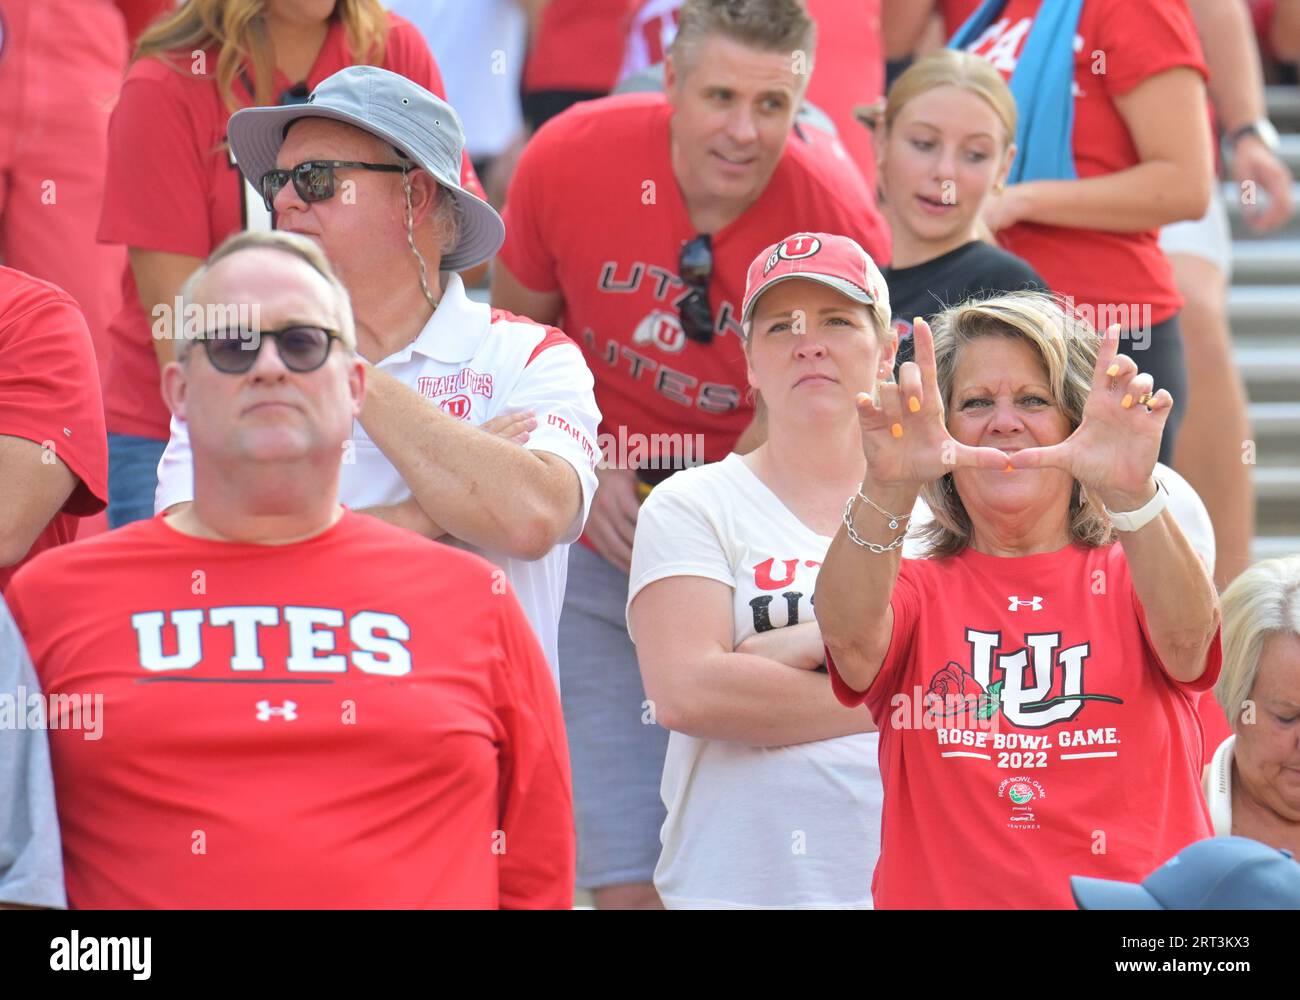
378,638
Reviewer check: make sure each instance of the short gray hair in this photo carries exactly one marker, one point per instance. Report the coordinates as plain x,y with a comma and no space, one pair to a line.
449,220
771,25
290,243
1263,601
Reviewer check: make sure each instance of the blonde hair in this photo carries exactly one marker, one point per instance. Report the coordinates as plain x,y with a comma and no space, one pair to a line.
1263,601
952,68
237,28
1067,349
291,243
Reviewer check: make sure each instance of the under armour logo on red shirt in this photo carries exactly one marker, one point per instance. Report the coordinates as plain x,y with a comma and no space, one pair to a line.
265,710
1014,603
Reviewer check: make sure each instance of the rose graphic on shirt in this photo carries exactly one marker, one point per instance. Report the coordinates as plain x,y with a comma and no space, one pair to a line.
955,689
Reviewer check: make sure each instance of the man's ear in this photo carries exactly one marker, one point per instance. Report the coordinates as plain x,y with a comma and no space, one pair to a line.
670,75
357,386
174,387
424,196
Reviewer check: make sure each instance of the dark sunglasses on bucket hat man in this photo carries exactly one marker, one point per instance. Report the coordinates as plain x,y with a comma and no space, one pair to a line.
423,127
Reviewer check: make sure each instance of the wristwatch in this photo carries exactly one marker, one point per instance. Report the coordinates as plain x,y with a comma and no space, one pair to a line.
1132,520
1262,129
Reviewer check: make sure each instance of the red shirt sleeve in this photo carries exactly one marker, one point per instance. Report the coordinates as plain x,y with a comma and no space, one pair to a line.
538,852
408,53
1140,40
156,192
526,251
49,383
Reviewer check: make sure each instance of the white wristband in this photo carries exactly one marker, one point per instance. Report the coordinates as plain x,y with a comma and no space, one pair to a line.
1134,519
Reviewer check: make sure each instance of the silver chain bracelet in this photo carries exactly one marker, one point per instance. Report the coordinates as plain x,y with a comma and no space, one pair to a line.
857,540
893,518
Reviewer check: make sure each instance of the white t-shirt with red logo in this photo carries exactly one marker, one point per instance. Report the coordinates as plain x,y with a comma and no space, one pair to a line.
793,826
1059,745
474,363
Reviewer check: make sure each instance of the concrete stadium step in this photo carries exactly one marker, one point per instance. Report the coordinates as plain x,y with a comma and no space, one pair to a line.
1283,105
1277,500
1272,374
1275,546
1266,262
1277,428
1276,433
1267,313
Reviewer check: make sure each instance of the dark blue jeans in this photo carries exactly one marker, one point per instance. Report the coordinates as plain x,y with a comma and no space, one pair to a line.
132,477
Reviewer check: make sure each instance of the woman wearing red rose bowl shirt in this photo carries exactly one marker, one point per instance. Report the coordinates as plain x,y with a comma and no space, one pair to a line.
1106,155
1060,610
173,193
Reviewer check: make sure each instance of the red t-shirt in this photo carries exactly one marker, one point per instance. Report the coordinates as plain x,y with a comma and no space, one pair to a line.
595,213
1101,271
364,719
579,46
49,392
1089,760
849,71
172,187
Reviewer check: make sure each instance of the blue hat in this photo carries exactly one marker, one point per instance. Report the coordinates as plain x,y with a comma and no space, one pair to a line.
400,112
1222,873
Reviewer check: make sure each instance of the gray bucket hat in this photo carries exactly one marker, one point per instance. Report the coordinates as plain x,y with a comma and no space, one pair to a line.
397,110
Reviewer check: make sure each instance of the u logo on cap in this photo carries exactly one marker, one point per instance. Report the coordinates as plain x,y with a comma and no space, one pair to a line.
799,247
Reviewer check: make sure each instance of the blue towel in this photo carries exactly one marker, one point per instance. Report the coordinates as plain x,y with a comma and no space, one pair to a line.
1043,86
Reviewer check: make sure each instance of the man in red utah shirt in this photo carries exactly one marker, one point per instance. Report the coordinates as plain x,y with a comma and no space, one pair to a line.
301,706
634,219
53,452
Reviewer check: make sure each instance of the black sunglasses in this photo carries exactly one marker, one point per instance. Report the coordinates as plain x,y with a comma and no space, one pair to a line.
695,267
314,180
302,348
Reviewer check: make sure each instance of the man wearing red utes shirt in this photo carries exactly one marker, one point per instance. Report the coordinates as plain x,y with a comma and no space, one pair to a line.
301,706
634,219
53,451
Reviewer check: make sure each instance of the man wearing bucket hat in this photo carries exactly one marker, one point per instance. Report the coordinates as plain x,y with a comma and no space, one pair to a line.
634,218
368,169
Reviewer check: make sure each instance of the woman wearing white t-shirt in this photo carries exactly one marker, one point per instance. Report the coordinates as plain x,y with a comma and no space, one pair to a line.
772,787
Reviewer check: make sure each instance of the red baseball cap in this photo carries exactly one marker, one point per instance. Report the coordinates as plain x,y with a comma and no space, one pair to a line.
836,261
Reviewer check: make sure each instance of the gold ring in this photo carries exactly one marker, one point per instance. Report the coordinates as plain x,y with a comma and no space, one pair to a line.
1146,398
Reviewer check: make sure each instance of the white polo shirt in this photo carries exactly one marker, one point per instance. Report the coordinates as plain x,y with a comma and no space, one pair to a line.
475,363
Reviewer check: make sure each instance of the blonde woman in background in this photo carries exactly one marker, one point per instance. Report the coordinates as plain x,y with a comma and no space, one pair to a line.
1253,782
944,145
173,191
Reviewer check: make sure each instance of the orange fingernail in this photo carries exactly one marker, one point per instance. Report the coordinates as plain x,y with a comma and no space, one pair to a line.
896,430
1112,371
913,404
1009,468
1127,401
